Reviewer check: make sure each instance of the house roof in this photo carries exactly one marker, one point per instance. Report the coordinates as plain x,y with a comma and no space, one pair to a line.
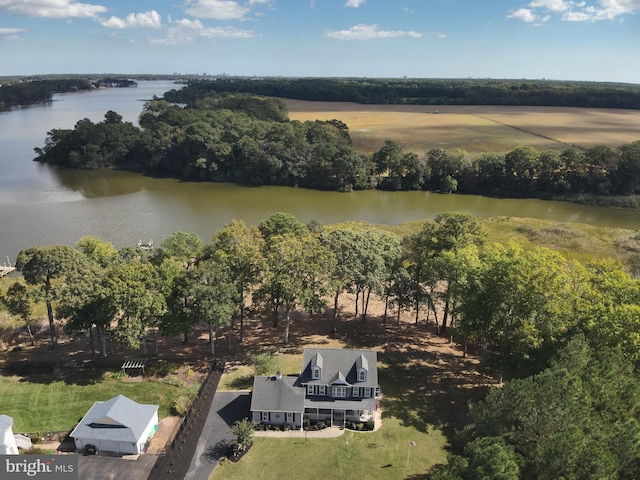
270,394
118,419
340,365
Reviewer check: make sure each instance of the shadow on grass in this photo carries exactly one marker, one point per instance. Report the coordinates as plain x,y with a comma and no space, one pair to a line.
242,383
425,380
81,377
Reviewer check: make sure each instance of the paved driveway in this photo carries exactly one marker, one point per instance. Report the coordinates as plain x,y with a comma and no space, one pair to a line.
226,409
98,467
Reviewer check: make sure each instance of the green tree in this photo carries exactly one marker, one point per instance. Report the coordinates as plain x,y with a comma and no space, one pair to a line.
19,303
98,250
521,301
343,245
46,267
183,246
133,289
297,273
240,248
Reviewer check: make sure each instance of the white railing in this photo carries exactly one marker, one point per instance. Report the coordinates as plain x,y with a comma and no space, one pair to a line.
23,442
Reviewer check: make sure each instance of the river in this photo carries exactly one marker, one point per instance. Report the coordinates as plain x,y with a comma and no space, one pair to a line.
43,205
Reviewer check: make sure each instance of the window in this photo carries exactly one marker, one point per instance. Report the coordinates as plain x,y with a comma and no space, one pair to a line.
316,373
355,392
367,392
310,390
362,375
340,392
322,390
289,417
265,416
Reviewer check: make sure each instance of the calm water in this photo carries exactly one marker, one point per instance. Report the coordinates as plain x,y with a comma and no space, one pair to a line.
42,205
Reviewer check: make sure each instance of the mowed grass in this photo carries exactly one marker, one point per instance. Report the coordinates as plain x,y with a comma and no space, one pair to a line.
476,129
377,455
240,377
42,404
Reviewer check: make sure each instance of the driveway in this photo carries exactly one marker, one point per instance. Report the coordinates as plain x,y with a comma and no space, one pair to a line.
98,467
226,409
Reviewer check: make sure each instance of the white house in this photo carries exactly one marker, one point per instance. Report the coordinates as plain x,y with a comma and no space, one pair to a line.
118,425
8,444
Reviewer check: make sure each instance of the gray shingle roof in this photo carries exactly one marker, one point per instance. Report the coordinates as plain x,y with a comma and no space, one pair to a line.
274,395
118,419
341,364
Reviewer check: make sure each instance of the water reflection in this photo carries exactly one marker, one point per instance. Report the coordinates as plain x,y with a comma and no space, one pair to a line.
97,183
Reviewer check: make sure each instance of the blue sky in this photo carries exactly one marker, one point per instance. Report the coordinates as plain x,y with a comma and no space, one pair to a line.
557,39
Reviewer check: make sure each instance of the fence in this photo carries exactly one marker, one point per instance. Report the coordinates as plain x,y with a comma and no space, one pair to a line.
174,464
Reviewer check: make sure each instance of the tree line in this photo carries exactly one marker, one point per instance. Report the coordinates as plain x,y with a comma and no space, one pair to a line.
565,334
31,91
39,91
420,91
247,139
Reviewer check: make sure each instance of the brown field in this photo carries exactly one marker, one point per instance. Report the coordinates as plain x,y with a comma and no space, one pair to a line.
476,128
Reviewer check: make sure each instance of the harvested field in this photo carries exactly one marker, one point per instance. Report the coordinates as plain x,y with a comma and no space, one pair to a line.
475,128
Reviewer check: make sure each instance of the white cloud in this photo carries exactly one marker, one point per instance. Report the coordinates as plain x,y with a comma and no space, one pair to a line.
553,5
186,31
51,8
577,11
354,3
217,9
11,33
368,32
524,14
149,19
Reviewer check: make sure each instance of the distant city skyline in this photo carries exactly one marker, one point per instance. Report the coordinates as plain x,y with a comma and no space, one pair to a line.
591,40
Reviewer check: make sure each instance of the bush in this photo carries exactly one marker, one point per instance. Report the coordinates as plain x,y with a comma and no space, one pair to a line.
182,404
263,363
242,432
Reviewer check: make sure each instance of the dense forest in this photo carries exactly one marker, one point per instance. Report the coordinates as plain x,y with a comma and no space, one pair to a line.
565,335
430,91
39,91
248,139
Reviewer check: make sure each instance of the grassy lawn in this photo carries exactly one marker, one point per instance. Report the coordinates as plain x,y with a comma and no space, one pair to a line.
240,377
40,404
382,454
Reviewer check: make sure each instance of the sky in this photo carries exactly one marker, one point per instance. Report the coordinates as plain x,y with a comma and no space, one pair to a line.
592,40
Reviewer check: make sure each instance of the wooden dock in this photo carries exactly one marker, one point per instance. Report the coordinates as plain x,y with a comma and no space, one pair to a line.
6,268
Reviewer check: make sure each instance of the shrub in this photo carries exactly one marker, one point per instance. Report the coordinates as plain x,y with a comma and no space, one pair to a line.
242,432
182,404
263,363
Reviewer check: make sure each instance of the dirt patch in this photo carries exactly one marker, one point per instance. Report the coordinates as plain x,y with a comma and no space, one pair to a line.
167,428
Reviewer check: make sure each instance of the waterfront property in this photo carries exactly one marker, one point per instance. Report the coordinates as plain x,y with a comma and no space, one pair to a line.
334,386
118,425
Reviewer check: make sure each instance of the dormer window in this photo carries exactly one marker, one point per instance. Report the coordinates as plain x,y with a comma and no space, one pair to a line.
316,373
362,366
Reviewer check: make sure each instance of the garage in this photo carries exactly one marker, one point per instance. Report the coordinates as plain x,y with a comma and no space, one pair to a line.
118,425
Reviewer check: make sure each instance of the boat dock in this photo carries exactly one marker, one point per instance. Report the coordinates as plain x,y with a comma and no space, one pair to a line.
6,268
